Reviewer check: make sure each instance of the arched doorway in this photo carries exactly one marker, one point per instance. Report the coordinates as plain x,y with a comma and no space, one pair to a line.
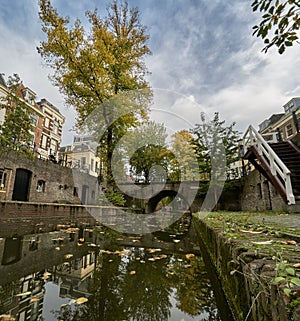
21,185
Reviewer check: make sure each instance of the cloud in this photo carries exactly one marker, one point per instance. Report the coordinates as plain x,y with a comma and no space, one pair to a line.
201,49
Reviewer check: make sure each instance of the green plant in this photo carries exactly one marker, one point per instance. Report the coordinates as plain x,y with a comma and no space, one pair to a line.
287,277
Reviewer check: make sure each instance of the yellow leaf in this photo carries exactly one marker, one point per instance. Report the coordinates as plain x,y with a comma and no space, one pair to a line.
263,242
24,293
81,300
132,272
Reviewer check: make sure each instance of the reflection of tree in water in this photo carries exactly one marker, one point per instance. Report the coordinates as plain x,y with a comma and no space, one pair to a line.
194,292
147,292
132,287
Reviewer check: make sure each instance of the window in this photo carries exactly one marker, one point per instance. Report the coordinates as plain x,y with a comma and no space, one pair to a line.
289,130
76,139
92,164
53,146
34,119
44,142
83,161
55,127
47,122
40,187
3,178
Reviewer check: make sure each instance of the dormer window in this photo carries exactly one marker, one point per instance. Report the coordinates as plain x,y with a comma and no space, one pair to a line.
28,95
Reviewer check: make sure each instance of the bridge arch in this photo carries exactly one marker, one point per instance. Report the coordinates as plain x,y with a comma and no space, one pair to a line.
154,201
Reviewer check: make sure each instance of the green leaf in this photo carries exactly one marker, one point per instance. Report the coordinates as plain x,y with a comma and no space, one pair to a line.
296,281
287,291
279,279
281,49
290,271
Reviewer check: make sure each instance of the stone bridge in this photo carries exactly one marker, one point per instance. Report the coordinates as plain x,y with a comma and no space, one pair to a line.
147,196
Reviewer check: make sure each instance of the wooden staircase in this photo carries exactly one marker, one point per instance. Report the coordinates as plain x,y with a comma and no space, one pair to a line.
289,153
278,162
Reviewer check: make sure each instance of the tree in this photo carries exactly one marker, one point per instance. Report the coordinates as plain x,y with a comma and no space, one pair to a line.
93,66
280,23
215,145
147,151
184,166
16,129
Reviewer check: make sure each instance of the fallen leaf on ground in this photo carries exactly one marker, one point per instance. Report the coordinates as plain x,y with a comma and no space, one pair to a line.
132,272
263,242
190,256
296,265
68,256
252,232
291,242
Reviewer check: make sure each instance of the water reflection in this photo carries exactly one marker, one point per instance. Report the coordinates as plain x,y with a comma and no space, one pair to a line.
101,279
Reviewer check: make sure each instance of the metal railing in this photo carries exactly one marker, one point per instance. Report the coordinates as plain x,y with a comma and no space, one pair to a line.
253,138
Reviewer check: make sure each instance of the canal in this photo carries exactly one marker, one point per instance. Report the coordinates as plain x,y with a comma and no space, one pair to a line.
64,271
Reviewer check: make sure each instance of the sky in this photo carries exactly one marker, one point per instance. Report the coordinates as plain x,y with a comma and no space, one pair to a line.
203,54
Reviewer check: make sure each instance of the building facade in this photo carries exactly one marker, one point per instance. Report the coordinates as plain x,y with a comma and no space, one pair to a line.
82,154
51,129
47,121
283,126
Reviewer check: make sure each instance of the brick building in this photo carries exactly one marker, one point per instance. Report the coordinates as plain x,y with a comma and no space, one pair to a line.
283,126
51,129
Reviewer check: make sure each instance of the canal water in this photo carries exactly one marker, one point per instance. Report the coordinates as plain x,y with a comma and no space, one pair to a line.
71,272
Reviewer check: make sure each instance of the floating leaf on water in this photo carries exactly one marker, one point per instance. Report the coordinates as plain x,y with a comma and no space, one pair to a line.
176,241
68,256
34,300
137,258
142,261
24,293
151,259
263,242
57,248
120,239
190,256
81,300
110,261
179,260
187,266
132,272
135,241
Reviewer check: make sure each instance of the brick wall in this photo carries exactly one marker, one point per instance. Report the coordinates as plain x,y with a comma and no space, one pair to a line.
259,194
58,182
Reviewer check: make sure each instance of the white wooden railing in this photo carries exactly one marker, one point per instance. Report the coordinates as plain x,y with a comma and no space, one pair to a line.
253,138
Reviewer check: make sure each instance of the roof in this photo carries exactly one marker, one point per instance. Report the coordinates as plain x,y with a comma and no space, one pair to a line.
45,101
270,121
